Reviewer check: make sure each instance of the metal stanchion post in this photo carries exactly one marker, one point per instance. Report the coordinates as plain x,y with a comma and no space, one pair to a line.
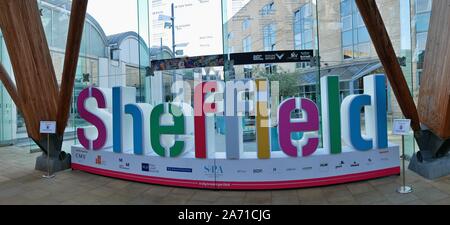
48,176
404,189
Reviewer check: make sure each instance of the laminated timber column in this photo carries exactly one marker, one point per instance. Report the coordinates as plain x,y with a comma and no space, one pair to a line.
36,92
434,98
30,58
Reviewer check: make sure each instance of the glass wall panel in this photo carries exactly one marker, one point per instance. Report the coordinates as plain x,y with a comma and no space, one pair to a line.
354,56
144,51
7,108
60,26
333,29
272,25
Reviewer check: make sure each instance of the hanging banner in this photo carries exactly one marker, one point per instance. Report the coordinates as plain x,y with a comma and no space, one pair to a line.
236,59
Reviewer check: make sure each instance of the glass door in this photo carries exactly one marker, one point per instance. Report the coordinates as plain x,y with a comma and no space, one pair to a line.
6,107
6,125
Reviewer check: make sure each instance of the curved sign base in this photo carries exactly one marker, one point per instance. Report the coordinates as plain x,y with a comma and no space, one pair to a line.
247,173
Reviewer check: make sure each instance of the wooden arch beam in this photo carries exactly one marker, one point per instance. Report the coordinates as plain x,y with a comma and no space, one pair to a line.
36,92
76,26
31,61
434,98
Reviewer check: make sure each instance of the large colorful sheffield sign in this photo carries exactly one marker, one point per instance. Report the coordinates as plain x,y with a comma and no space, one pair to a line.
174,143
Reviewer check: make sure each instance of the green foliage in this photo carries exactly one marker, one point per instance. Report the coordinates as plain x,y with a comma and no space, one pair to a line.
288,82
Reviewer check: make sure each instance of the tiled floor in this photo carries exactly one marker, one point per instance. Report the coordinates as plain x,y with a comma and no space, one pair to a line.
21,184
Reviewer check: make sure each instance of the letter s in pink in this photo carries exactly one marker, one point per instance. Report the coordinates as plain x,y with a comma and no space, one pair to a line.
92,119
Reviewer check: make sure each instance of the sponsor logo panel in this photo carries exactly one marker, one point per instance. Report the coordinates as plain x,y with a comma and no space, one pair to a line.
179,169
151,168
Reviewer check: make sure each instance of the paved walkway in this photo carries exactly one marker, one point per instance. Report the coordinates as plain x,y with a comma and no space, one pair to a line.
21,184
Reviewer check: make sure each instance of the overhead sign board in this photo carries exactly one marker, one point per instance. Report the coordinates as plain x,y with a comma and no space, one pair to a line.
293,56
236,59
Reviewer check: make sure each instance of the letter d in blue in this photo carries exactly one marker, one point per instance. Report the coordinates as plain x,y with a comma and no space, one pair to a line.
376,114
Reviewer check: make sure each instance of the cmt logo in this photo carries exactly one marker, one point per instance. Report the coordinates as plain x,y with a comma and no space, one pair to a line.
80,155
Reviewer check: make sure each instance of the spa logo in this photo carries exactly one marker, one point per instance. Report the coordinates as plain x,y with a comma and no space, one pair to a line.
213,169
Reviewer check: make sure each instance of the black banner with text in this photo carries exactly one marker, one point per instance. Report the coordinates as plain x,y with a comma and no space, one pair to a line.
250,58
